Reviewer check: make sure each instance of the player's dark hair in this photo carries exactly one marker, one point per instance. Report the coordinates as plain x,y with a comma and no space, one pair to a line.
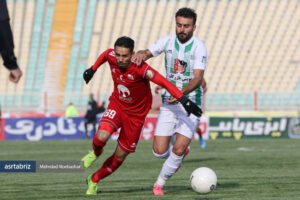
125,42
187,13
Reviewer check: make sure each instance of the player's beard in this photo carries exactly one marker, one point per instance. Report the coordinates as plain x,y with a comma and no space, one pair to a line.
123,66
184,37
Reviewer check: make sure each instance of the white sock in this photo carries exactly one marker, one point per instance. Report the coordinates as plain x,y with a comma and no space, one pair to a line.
169,168
161,182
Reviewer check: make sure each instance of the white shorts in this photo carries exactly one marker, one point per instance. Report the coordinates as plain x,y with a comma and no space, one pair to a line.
173,119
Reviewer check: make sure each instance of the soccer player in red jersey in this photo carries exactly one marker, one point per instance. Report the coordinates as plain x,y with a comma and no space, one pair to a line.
129,104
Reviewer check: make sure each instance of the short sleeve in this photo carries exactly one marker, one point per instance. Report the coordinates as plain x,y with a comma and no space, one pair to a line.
159,46
200,56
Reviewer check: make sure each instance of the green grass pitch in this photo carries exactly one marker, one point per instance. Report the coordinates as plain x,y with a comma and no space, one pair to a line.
246,169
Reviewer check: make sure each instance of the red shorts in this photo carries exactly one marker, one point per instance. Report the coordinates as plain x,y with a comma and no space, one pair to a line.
131,126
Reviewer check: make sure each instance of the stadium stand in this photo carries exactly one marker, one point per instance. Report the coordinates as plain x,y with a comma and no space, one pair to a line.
253,49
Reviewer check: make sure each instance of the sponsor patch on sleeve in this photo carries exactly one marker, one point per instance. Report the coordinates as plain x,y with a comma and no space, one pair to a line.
149,74
204,59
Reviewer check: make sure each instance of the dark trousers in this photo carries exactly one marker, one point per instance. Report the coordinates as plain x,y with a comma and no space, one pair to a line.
94,123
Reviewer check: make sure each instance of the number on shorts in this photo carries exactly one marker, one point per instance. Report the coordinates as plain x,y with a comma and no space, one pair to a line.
110,113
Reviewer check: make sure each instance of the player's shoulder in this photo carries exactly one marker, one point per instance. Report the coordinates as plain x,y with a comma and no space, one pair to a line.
167,38
199,42
171,37
110,52
143,65
147,71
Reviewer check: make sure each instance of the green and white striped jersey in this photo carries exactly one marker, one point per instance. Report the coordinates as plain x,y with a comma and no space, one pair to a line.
180,62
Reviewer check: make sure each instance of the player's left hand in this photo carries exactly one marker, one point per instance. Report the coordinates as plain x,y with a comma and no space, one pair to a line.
190,106
88,74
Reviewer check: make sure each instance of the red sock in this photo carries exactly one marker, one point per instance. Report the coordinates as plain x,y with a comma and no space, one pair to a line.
199,132
98,145
108,167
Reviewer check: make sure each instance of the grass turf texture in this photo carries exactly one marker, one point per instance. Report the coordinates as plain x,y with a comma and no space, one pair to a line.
246,169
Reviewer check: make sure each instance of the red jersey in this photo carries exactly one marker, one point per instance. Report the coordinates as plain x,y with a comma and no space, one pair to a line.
132,90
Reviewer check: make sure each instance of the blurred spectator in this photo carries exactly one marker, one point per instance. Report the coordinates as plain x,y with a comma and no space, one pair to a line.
7,45
91,115
102,108
71,111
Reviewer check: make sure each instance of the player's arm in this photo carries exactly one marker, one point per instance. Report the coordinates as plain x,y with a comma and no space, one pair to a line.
154,50
158,79
89,73
204,86
141,56
195,82
199,67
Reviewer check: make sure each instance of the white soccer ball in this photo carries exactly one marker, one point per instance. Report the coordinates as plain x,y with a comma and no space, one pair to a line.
203,180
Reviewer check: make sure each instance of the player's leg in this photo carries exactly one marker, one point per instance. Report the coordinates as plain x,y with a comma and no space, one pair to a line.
127,143
99,141
173,162
161,144
110,165
185,129
163,132
109,122
201,139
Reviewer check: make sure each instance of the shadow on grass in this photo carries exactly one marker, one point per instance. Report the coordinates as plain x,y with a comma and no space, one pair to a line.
227,185
129,190
172,190
199,160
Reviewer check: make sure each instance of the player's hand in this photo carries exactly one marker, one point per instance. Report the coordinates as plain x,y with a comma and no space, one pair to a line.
139,57
190,106
172,100
157,89
88,75
15,75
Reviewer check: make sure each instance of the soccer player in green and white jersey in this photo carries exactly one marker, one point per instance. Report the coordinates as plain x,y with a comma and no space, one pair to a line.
185,62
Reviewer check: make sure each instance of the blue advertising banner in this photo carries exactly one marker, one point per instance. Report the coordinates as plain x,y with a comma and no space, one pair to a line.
50,128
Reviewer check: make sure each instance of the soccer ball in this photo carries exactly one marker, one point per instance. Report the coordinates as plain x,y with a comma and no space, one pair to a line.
203,180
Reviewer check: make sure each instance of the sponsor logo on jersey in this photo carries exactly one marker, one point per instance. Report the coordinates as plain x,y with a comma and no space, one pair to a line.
113,70
124,92
121,78
129,76
177,77
179,66
204,59
169,51
149,74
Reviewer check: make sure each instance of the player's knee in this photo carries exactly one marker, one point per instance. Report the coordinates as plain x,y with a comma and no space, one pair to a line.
104,131
161,155
105,127
178,151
